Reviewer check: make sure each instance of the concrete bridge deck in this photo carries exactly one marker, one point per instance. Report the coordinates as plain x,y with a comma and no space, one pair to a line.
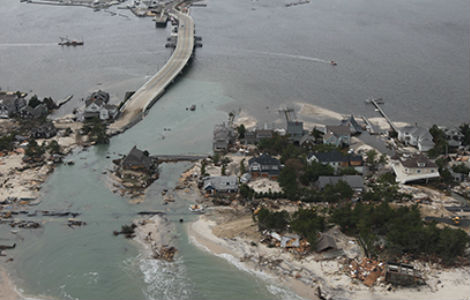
136,107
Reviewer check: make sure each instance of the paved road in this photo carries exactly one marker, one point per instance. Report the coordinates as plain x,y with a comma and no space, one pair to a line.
146,96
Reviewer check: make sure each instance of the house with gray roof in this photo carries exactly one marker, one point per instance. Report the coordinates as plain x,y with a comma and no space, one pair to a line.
220,184
416,136
295,130
264,165
337,160
138,160
44,131
97,106
339,135
223,137
255,136
413,167
454,137
11,104
353,125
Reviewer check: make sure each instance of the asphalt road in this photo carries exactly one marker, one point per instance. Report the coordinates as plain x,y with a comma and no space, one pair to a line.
146,95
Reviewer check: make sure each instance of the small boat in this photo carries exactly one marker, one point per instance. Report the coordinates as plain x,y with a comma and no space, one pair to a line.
196,208
193,107
64,41
333,63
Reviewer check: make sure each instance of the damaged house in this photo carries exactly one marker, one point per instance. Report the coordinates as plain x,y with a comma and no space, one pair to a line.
139,161
44,131
337,135
11,104
96,106
412,167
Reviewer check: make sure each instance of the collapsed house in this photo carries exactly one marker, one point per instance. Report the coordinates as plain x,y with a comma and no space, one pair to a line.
402,274
413,167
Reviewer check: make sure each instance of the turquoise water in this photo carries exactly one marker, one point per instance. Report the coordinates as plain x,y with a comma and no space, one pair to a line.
89,262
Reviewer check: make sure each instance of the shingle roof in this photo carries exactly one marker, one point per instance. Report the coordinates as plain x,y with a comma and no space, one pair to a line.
137,157
264,159
415,161
221,183
340,130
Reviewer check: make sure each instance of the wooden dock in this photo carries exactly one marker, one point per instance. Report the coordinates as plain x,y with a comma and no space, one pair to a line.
376,102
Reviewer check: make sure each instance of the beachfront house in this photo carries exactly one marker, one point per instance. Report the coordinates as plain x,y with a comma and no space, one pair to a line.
223,137
416,136
255,136
337,135
354,127
264,165
11,104
454,137
138,160
413,167
295,130
97,107
337,160
220,184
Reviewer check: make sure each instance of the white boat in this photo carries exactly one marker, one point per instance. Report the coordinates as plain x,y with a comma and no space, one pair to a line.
196,208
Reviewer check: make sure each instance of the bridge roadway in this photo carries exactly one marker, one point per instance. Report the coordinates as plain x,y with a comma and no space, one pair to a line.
135,108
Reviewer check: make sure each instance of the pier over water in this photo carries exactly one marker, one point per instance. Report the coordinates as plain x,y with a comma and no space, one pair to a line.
141,101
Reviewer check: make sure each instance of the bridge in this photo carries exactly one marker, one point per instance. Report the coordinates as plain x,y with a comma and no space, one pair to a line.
135,108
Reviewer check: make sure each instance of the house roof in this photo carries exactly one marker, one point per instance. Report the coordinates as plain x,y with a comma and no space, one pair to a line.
325,242
415,161
306,138
137,158
354,181
295,127
99,97
264,159
352,123
339,130
221,183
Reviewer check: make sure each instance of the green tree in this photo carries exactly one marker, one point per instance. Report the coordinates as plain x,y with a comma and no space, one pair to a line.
307,223
34,101
53,147
246,192
7,142
465,129
277,221
288,182
241,131
371,156
33,150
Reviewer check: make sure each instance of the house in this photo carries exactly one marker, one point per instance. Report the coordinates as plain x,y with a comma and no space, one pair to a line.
138,160
295,130
307,141
221,184
416,136
223,137
97,107
402,274
264,165
38,112
454,137
45,131
412,167
356,182
11,104
353,125
325,242
337,135
254,136
337,160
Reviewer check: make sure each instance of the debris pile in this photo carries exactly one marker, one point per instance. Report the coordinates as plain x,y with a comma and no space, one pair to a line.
165,252
368,271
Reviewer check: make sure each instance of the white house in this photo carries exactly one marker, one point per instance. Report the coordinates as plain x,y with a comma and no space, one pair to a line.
412,167
416,136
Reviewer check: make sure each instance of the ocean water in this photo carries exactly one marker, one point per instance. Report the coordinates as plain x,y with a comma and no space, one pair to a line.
257,56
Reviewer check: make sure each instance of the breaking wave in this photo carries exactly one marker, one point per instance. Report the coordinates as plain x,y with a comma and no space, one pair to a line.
165,280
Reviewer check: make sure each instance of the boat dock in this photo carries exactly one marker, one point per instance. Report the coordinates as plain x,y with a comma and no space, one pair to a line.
376,102
177,158
143,99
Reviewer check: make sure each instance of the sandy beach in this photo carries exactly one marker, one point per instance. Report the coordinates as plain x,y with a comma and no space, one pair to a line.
7,288
304,276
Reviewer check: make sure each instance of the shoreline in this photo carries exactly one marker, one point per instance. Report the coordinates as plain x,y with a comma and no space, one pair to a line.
442,283
7,287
